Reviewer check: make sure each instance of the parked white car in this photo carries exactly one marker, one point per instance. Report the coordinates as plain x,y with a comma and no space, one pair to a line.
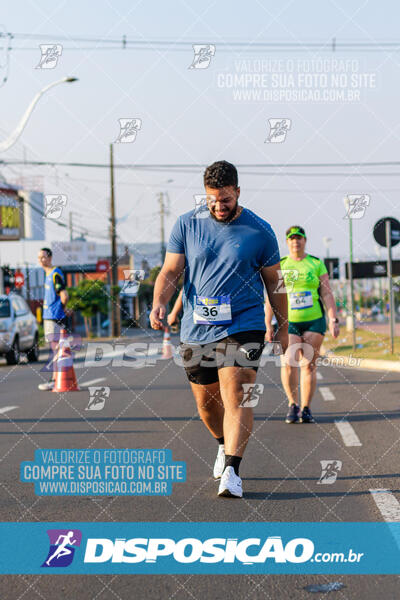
18,330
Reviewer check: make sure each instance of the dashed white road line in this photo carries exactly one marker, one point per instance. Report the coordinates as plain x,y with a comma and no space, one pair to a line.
5,409
91,382
348,434
387,504
319,376
326,393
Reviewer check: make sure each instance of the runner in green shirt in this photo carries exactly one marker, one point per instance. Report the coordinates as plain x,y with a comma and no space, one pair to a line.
306,282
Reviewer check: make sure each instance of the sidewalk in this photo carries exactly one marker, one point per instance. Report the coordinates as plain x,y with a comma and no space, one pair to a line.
366,364
379,327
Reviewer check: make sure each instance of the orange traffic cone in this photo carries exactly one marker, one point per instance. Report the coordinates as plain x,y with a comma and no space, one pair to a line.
65,374
167,346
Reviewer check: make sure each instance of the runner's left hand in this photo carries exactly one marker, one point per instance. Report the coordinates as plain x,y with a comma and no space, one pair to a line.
334,329
282,337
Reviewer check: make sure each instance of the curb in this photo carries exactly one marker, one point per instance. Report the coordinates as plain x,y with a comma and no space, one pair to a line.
367,364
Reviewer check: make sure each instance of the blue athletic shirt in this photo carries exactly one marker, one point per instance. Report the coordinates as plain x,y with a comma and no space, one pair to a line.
224,259
52,306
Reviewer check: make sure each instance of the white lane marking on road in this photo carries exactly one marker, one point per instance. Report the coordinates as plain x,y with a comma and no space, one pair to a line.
387,504
92,381
326,393
319,376
348,434
5,409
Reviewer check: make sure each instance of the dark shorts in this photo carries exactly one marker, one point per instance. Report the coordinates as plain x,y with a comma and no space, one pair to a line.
202,361
317,326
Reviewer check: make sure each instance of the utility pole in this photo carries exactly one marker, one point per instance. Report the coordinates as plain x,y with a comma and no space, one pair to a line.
71,237
115,310
381,304
28,282
162,215
390,282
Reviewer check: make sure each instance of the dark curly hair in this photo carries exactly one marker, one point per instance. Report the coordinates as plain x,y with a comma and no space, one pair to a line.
221,174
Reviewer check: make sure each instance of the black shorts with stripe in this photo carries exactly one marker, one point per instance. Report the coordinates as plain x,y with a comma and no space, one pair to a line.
202,361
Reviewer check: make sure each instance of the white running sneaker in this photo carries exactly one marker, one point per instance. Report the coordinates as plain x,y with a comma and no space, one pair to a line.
230,484
47,386
219,462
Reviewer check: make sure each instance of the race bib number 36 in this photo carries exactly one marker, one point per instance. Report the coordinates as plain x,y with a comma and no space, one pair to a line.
214,310
299,300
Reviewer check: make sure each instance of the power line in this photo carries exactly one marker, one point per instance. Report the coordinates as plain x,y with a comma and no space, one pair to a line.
194,168
185,187
124,43
157,166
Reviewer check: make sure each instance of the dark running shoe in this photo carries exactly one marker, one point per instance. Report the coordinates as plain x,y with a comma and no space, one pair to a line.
293,414
306,416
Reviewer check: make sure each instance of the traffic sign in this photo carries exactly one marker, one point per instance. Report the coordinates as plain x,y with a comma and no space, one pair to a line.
387,233
332,266
102,265
370,269
380,231
19,279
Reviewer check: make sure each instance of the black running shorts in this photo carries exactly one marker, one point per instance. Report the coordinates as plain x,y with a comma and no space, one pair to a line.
201,362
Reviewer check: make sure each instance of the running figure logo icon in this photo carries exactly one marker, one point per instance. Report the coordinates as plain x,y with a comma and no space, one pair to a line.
287,278
97,397
128,129
203,54
62,547
54,205
278,129
50,56
200,207
132,279
356,205
251,394
330,470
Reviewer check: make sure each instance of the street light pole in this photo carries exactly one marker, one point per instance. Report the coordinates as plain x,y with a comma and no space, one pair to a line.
162,215
351,282
13,137
327,241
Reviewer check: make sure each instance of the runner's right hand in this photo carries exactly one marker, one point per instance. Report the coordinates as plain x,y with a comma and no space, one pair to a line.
157,315
269,336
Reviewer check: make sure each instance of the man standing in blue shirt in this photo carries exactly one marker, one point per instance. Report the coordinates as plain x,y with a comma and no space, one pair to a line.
227,254
55,299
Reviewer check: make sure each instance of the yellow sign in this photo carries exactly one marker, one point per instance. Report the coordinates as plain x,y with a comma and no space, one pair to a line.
9,218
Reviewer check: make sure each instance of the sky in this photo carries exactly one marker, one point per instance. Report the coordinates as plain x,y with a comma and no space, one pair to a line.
196,116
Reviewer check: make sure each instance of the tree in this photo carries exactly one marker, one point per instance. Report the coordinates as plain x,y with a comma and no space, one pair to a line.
154,273
89,297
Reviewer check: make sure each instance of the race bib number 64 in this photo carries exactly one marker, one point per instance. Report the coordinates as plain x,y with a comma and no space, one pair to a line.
300,300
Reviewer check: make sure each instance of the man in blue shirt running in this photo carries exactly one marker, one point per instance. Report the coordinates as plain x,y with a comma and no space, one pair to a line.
227,254
55,299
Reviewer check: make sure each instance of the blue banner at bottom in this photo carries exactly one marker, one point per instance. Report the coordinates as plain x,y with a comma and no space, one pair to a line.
208,548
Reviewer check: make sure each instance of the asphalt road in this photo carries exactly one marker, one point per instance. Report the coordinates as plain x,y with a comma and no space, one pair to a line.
152,407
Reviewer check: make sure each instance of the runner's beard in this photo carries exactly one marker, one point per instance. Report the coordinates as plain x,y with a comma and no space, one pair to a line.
228,217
